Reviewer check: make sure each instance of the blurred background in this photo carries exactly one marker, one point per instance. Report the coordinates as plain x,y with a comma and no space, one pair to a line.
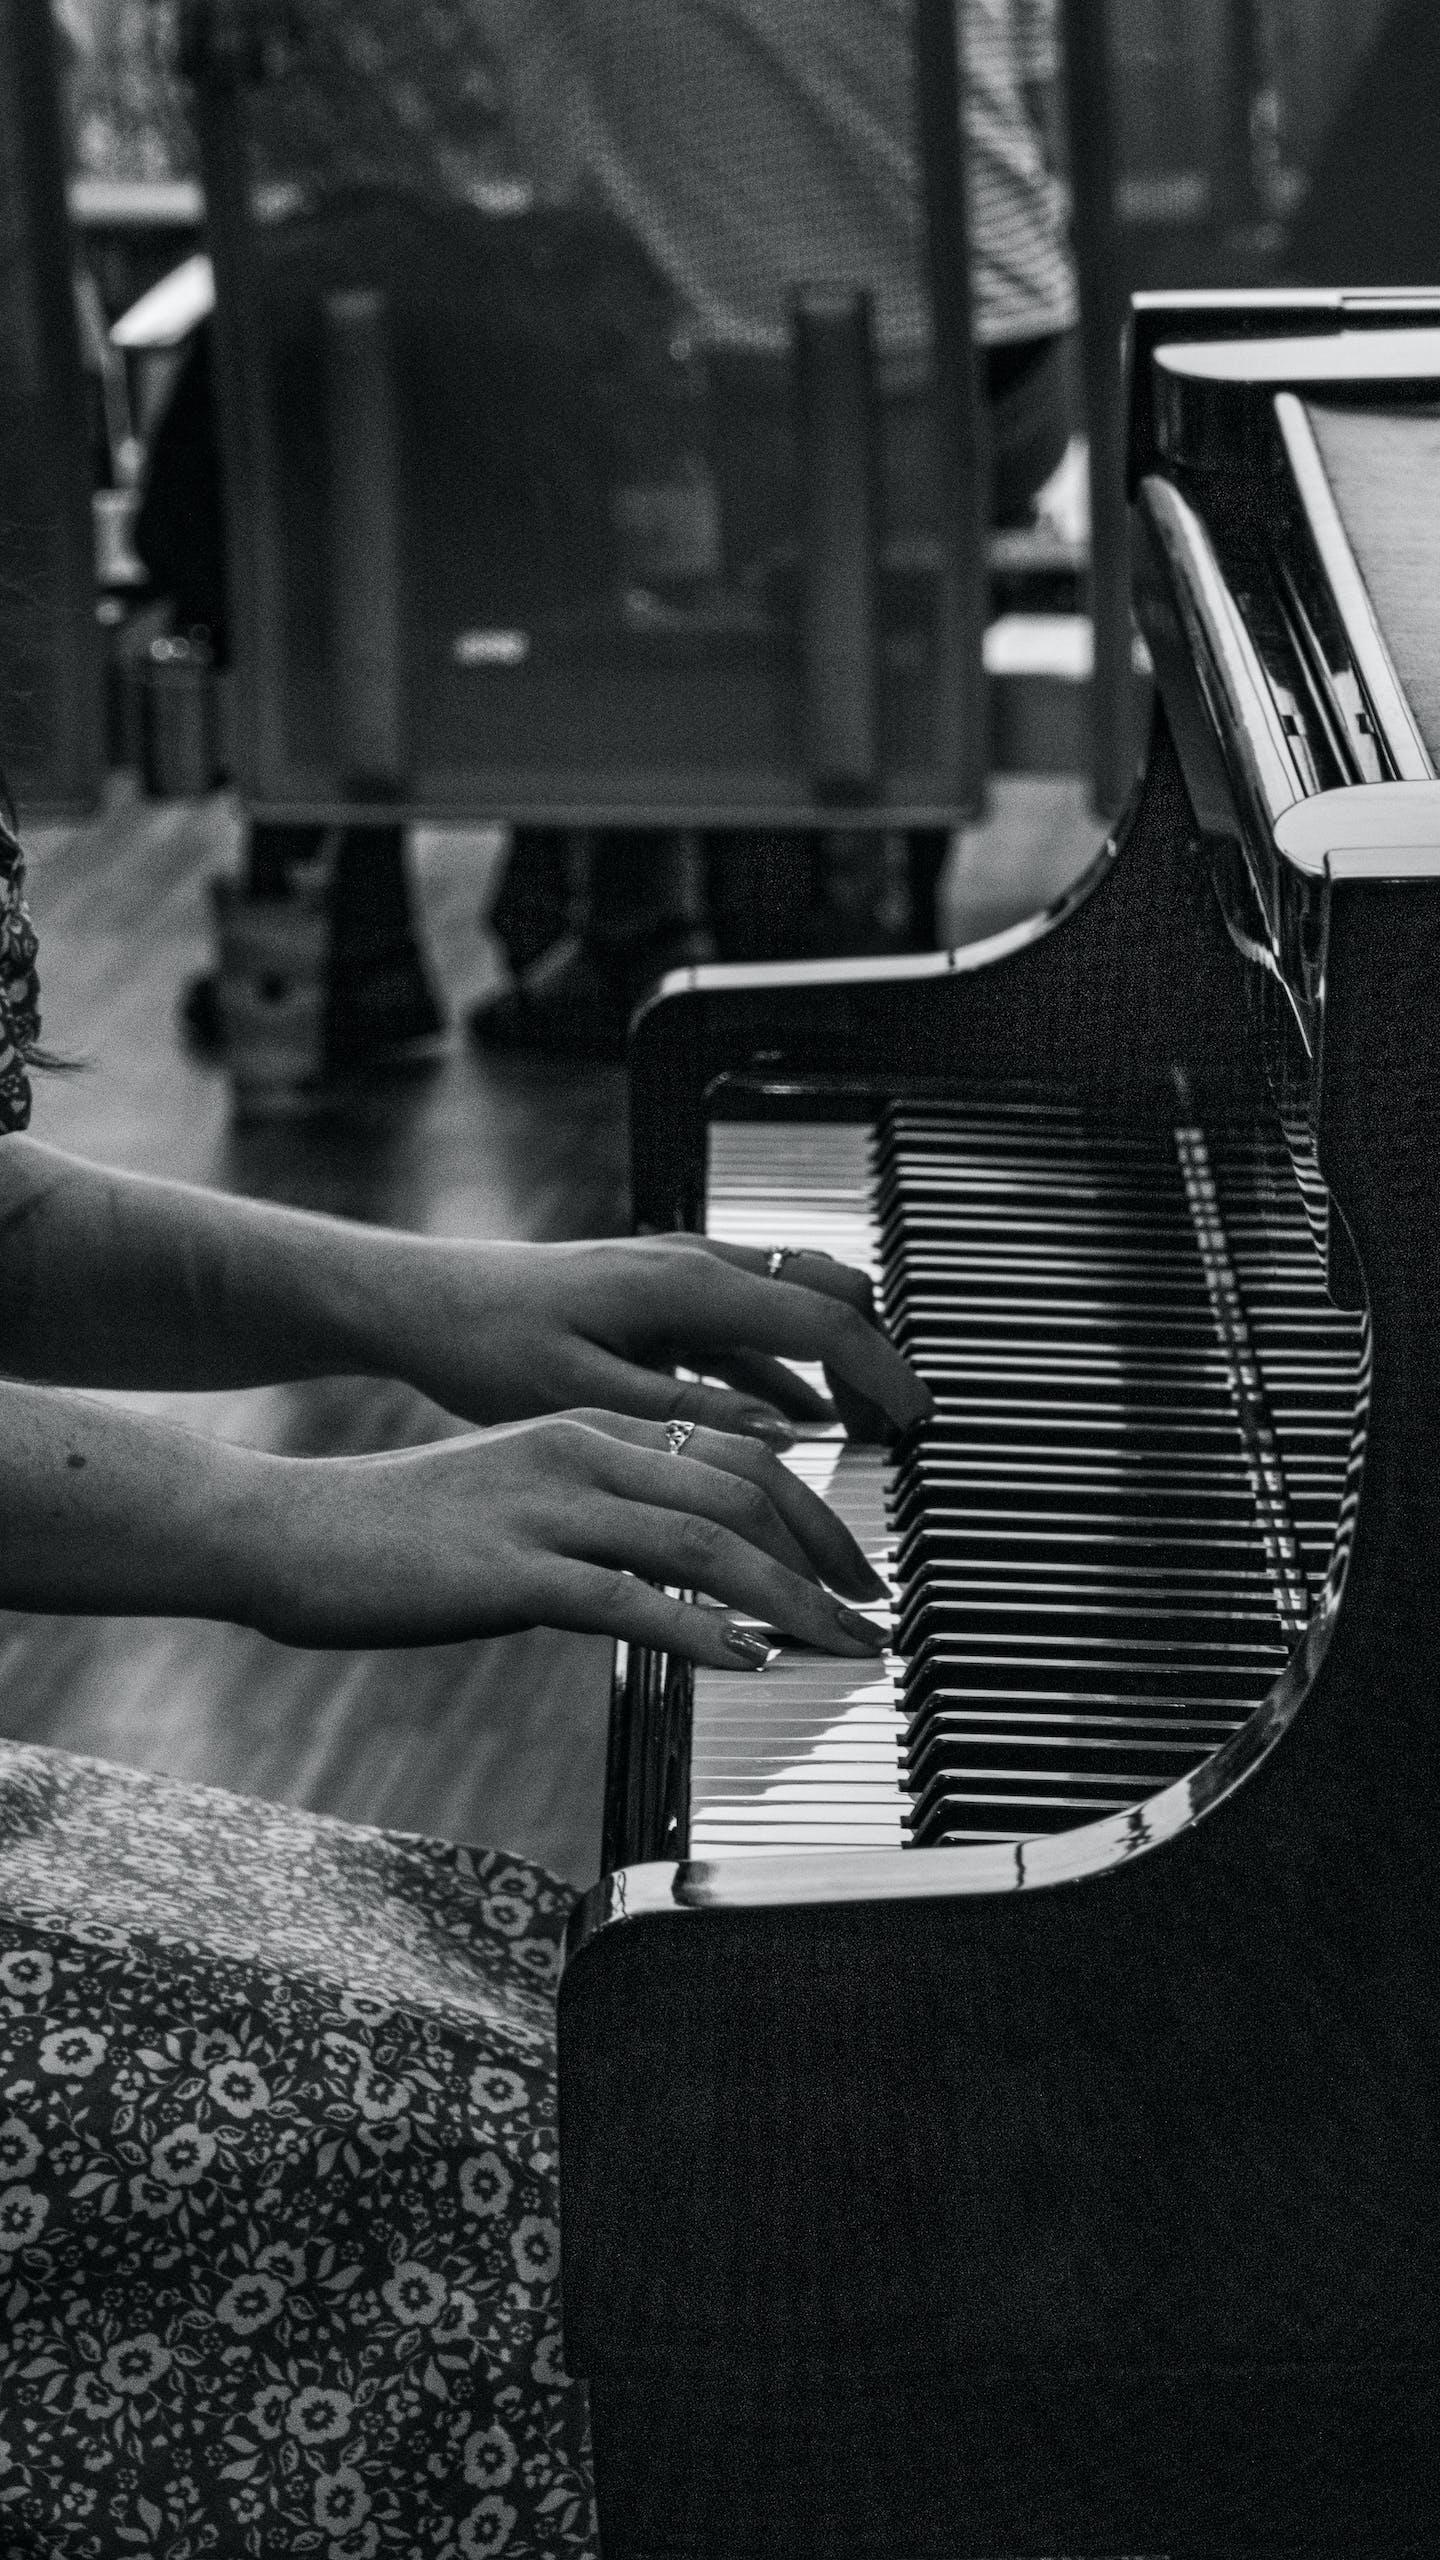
1222,110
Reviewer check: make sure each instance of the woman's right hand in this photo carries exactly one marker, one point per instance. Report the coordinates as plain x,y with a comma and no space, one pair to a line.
569,1521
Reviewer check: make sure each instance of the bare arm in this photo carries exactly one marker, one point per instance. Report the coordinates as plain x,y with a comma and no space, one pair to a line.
113,1279
567,1522
103,1511
116,1280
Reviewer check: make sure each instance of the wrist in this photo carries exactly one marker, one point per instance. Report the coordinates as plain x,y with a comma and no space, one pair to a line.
382,1313
252,1564
322,1553
433,1306
105,1512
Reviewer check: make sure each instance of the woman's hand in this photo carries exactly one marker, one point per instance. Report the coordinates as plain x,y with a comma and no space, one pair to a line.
496,1331
111,1279
116,1281
567,1522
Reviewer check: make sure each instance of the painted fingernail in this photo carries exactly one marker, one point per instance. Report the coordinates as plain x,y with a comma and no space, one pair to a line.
769,1427
860,1630
750,1649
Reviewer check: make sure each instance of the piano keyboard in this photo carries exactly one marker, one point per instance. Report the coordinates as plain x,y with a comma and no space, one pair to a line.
1104,1549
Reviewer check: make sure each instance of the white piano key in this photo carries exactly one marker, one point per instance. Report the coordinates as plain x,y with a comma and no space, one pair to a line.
807,1752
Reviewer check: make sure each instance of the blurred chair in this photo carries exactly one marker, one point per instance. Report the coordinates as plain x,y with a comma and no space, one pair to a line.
487,496
51,674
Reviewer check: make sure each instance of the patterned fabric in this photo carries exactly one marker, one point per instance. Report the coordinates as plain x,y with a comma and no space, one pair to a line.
278,2241
19,985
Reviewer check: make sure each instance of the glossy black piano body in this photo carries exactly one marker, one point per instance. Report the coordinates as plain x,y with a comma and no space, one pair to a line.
1081,2193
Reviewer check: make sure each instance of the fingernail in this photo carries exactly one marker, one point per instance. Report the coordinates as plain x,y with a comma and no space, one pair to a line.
860,1630
772,1428
750,1649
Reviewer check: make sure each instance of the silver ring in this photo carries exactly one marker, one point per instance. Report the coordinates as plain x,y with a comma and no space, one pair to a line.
775,1260
678,1434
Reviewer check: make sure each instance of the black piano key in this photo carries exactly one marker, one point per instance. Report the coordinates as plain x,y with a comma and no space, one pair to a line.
981,1599
1147,1494
1087,1582
1024,1793
954,1757
1015,1815
1050,1563
934,1672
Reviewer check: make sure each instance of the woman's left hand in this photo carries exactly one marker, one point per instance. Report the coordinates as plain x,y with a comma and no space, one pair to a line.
500,1331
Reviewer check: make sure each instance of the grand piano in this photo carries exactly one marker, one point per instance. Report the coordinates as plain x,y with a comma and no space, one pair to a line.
1000,2111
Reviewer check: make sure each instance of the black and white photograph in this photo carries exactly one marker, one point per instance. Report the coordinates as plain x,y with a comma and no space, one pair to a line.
719,1279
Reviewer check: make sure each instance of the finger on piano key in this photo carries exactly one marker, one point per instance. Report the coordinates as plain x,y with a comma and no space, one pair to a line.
783,1386
794,1488
780,1316
806,1266
682,1549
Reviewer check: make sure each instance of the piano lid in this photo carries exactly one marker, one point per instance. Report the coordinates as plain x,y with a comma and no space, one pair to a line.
1210,398
1343,355
1272,317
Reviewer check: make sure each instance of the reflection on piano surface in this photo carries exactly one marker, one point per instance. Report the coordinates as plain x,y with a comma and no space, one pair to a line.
996,2084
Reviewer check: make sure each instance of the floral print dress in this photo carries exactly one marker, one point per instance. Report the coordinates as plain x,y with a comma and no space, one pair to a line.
278,2244
19,985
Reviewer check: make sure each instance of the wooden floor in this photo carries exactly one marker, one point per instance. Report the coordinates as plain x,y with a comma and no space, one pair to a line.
499,1742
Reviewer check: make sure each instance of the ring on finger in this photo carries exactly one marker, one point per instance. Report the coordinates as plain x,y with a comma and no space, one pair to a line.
776,1259
677,1435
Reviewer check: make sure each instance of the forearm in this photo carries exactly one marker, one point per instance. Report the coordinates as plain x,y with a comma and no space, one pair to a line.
563,1523
104,1512
112,1279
